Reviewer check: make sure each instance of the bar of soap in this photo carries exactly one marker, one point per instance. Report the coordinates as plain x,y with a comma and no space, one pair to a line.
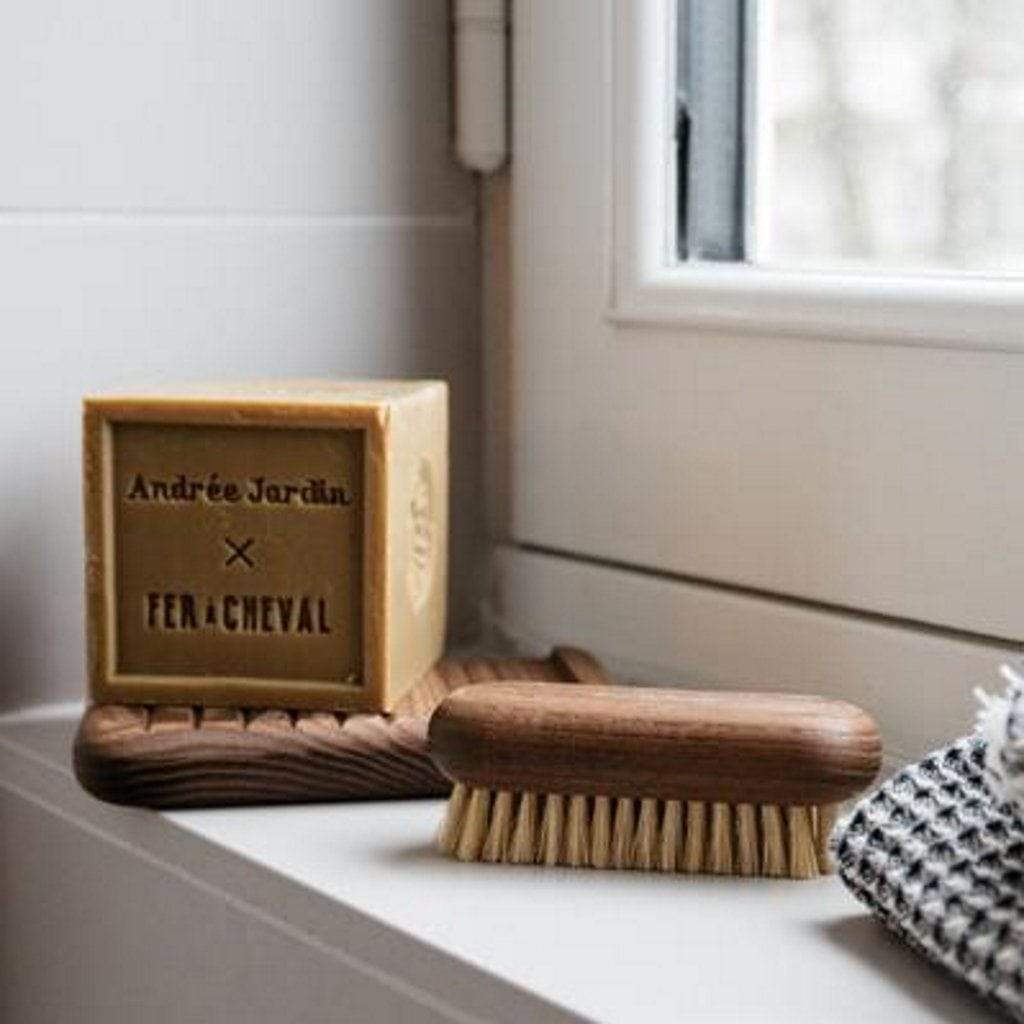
268,545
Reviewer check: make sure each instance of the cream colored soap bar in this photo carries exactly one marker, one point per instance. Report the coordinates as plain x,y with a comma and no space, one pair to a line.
270,545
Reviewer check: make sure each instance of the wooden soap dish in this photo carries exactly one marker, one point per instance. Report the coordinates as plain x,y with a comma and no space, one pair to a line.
177,756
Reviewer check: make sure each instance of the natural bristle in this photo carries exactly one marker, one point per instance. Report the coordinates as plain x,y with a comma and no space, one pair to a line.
645,842
824,822
600,831
496,844
451,827
552,828
671,845
577,839
475,823
642,834
746,840
622,836
694,836
773,842
719,856
803,854
522,848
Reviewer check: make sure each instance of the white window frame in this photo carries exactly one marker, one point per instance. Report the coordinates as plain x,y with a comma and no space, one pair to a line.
729,475
648,286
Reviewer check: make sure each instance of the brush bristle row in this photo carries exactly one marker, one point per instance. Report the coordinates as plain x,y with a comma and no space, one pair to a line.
644,834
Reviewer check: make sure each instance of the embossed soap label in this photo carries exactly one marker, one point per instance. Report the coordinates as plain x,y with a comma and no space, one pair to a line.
258,490
265,614
239,551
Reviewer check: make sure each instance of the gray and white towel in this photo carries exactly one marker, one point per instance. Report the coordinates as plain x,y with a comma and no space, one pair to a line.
938,852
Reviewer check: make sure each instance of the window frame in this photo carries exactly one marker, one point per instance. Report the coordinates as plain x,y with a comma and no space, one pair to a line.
741,508
649,286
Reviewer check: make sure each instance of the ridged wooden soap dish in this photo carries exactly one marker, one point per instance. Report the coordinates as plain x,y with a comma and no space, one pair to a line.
166,756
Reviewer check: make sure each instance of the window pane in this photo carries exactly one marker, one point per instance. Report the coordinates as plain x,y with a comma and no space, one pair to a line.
892,134
710,142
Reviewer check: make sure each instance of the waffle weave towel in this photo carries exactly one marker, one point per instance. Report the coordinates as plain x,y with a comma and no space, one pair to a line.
937,853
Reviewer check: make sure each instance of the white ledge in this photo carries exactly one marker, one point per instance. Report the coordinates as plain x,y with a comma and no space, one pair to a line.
348,911
934,311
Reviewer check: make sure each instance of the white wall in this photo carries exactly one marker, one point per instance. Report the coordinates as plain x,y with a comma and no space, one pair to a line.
204,189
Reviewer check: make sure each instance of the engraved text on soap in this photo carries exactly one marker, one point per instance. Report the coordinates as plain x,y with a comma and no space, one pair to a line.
255,490
255,614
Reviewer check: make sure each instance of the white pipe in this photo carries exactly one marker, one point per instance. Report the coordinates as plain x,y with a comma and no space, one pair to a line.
481,83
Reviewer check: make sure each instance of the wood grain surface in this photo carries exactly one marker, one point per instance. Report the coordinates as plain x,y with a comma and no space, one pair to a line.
673,744
181,756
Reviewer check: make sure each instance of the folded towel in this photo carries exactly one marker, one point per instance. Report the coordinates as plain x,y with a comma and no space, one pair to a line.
937,853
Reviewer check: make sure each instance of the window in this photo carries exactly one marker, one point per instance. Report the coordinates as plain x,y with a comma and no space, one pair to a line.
872,135
761,465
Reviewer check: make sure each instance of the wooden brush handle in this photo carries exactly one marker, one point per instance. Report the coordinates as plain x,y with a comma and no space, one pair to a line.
775,748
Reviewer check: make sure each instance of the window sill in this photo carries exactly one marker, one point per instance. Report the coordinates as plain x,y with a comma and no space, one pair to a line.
935,311
363,903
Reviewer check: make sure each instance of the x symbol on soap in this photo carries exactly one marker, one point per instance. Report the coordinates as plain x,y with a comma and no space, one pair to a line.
238,551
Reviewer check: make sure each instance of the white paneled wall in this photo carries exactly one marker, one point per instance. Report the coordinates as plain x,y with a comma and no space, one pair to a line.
205,189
